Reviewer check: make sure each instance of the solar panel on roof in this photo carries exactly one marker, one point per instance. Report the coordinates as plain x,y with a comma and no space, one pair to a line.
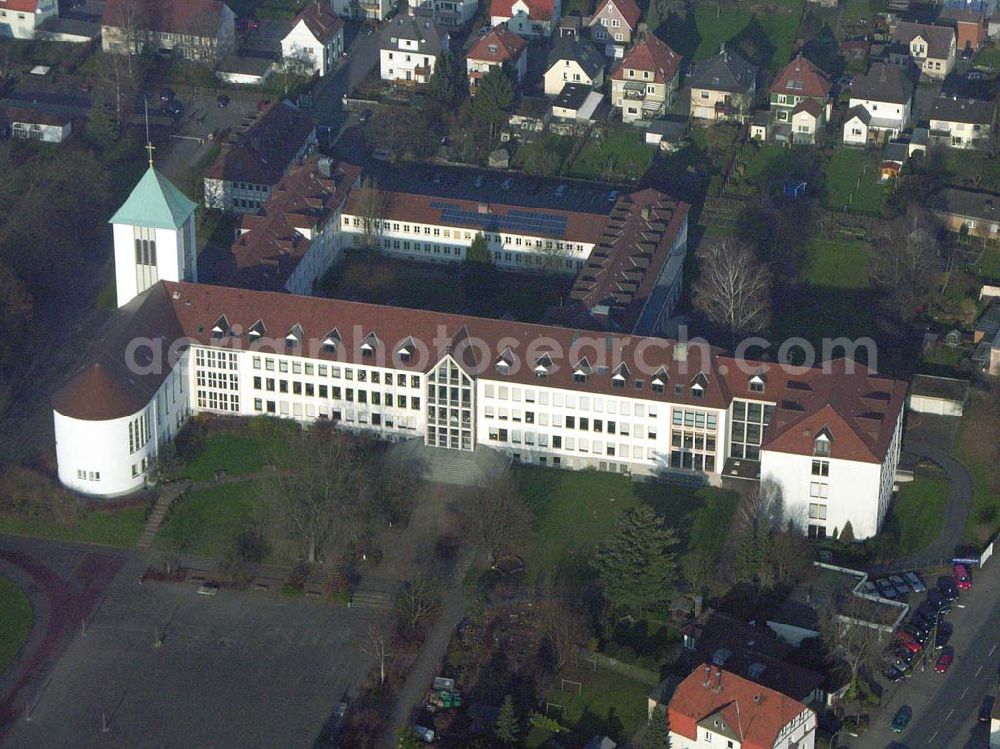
527,222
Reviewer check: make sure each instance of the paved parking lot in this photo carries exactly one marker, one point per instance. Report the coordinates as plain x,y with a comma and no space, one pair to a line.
234,670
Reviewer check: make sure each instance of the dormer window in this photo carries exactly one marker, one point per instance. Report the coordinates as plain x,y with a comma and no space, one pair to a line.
256,330
330,341
660,379
405,351
493,49
756,384
543,365
619,378
505,361
221,328
579,377
821,445
368,346
698,385
581,371
294,337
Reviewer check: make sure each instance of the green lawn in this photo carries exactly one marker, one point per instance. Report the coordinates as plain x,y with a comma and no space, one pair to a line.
260,444
988,266
574,510
16,617
846,167
855,10
608,703
838,265
623,154
204,523
988,57
977,437
115,528
918,513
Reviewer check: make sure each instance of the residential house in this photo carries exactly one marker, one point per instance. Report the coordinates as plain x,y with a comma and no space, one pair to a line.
499,47
715,708
573,60
967,212
962,123
31,124
800,101
251,163
884,95
932,49
969,23
613,24
409,48
20,18
723,88
445,12
535,19
644,83
577,102
374,10
198,30
295,236
316,40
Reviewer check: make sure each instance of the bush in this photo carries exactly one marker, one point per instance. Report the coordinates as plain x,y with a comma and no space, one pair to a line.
626,654
611,649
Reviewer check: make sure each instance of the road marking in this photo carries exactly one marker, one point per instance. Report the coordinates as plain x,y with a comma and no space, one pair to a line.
950,713
931,739
978,670
966,691
992,649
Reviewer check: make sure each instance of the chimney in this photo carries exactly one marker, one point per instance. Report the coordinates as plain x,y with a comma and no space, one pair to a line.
697,605
718,680
323,166
708,676
680,352
644,212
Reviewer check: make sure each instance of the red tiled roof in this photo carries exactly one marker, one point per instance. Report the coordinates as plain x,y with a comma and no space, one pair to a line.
21,6
194,17
508,45
538,10
857,407
271,245
402,206
800,77
627,8
262,153
749,711
650,54
811,106
320,20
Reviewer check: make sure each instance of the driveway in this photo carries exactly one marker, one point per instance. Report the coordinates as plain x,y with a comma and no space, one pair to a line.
945,706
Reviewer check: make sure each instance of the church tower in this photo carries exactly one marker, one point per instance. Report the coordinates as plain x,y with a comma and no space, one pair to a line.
154,237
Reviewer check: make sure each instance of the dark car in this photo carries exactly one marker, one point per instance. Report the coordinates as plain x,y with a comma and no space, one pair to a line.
886,589
365,116
174,108
222,100
167,94
908,641
901,719
944,631
893,674
946,585
986,708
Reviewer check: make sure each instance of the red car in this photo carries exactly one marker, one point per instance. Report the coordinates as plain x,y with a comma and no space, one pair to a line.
944,661
909,642
962,579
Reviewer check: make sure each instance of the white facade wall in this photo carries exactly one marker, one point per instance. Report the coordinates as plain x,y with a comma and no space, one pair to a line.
961,134
568,71
43,133
441,243
22,25
800,733
402,60
519,68
300,45
525,26
898,115
115,457
175,258
855,132
325,248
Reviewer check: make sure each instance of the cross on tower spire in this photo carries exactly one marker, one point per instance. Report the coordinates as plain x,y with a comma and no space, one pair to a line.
150,147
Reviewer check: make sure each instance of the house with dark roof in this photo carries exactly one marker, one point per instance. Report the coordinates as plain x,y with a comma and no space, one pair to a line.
962,123
573,60
198,30
613,25
969,21
576,103
409,47
713,707
31,124
532,19
644,82
800,101
723,88
967,211
253,161
928,48
885,95
499,47
316,40
21,18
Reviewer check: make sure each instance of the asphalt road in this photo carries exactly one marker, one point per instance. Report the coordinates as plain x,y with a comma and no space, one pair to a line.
945,707
362,56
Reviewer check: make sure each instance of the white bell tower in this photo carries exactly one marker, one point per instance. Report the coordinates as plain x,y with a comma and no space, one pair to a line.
154,236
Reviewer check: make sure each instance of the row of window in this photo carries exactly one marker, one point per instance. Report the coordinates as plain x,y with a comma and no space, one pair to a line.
334,392
583,402
138,432
216,359
88,475
345,416
447,233
337,372
215,401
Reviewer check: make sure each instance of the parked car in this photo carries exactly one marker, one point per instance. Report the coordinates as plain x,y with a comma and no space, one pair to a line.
167,94
899,584
949,590
507,184
845,80
560,191
885,588
248,24
918,634
365,116
909,642
901,719
915,582
478,181
962,579
986,708
612,196
868,588
893,674
222,101
943,634
944,660
976,75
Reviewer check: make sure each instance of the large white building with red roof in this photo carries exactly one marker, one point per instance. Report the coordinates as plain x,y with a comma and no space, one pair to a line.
20,18
713,708
528,18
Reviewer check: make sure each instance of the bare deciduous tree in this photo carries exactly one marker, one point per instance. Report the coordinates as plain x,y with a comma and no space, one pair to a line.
905,263
847,628
417,600
374,203
734,287
501,517
562,626
377,644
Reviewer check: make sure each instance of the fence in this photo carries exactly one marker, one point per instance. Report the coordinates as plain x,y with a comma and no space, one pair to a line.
625,669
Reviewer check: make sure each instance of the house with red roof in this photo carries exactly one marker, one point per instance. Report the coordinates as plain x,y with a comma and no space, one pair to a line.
528,18
315,41
613,25
20,18
800,101
197,30
645,81
499,47
714,708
